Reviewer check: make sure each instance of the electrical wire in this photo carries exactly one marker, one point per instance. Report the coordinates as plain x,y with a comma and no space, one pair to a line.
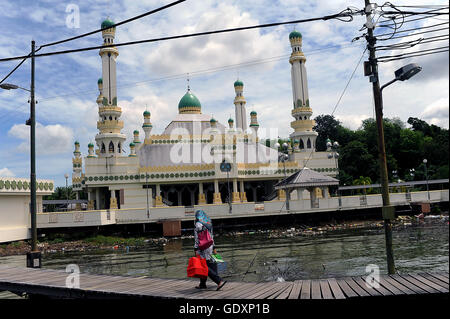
411,56
203,72
324,18
408,53
410,44
348,82
411,35
413,29
114,25
93,32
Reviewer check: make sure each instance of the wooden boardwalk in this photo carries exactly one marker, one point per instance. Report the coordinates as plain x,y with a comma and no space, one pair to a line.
52,283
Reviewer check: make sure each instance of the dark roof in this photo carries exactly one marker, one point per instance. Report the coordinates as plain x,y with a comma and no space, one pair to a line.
307,178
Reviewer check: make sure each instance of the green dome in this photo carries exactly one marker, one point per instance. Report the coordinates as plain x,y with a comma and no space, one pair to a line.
212,120
253,113
136,132
295,34
146,113
132,144
107,23
90,145
77,143
100,81
238,83
189,100
230,120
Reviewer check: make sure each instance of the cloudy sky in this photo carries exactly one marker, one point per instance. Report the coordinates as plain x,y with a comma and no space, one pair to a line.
154,75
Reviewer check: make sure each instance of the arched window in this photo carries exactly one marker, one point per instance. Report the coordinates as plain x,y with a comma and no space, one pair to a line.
308,144
119,149
302,145
103,148
110,118
111,147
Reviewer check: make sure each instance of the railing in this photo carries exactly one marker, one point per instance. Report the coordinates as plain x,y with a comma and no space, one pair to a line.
157,214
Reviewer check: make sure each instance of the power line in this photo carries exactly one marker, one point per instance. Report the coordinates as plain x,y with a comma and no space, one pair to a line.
325,18
408,53
93,32
410,44
348,82
205,71
405,21
412,55
114,25
411,35
413,29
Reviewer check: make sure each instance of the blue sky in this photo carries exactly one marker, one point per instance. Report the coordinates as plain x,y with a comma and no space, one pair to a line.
66,85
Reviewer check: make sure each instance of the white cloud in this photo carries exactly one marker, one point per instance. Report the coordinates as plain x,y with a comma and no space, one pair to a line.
437,112
50,139
5,172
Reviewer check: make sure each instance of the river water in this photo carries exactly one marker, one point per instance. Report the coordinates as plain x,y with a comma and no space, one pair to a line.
417,248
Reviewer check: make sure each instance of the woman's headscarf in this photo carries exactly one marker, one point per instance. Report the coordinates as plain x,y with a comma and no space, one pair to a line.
201,217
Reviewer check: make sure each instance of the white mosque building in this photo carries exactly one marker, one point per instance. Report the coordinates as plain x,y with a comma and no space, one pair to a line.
182,165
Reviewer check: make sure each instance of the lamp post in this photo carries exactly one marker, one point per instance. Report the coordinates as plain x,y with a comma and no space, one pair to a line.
226,167
333,148
426,177
34,256
67,192
283,157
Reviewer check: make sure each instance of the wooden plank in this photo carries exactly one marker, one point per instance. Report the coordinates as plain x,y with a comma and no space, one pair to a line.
404,289
295,292
362,283
277,291
435,280
387,285
440,277
445,274
248,292
325,288
348,291
306,290
356,288
285,294
419,284
380,289
429,283
236,288
407,284
335,289
263,290
315,290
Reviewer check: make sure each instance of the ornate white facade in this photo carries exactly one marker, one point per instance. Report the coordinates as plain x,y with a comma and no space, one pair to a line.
182,165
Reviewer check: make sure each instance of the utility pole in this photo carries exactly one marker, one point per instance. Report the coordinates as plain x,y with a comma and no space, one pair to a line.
387,210
33,257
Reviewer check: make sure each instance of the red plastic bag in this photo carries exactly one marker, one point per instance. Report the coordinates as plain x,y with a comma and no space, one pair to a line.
197,267
204,240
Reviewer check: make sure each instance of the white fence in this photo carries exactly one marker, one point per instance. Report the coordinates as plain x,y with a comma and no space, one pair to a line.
158,214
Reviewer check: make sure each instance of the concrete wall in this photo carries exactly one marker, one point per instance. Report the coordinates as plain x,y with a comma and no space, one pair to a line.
15,219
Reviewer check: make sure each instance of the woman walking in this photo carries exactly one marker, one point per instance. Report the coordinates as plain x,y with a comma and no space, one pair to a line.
203,224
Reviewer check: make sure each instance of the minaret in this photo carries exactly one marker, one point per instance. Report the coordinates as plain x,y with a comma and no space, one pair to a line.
77,161
303,124
239,103
109,139
254,126
147,126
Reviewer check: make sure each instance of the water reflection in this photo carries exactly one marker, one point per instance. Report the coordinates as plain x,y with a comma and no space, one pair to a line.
345,253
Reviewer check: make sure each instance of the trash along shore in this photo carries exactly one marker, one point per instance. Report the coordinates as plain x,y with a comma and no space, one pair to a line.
101,242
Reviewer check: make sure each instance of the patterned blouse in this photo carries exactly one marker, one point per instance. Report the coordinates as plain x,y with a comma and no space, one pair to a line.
199,227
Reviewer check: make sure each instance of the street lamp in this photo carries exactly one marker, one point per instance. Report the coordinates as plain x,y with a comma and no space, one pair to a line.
34,256
283,157
67,192
426,177
402,74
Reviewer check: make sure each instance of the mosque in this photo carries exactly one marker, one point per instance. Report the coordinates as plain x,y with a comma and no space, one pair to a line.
196,160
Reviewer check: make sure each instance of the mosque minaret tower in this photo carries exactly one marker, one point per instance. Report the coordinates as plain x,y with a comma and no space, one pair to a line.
109,140
239,102
302,112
